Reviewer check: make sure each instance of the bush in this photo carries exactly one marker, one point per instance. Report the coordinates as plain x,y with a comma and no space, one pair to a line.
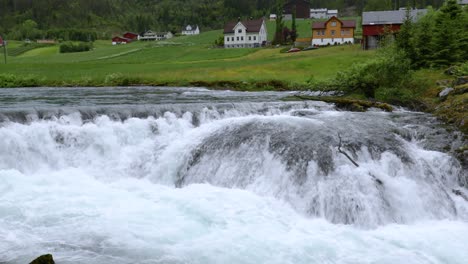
10,81
390,69
69,47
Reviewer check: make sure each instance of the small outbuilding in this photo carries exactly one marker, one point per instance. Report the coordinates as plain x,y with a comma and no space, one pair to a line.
120,40
191,30
130,35
300,7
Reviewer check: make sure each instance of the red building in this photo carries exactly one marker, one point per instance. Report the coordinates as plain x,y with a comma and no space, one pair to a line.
120,40
301,7
130,35
377,24
1,41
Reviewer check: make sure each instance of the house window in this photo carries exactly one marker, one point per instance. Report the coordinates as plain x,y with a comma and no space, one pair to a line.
250,38
255,37
227,39
242,38
333,24
239,31
237,38
323,32
333,32
232,39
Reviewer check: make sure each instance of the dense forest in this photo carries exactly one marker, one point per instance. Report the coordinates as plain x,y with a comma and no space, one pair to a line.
21,19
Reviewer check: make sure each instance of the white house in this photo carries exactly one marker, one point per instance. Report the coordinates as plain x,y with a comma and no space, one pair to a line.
150,35
273,17
323,13
318,13
332,13
191,30
245,34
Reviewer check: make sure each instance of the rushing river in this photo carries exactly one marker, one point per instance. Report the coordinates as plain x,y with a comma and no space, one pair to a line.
178,175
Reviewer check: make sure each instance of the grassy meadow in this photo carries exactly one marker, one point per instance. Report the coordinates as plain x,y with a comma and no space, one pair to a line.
182,60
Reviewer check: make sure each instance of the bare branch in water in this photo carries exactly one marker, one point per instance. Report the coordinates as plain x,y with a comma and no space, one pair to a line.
344,153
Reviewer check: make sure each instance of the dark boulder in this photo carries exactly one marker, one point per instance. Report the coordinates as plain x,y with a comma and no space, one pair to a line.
461,80
44,259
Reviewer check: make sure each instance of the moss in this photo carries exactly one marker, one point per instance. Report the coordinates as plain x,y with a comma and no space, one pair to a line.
347,104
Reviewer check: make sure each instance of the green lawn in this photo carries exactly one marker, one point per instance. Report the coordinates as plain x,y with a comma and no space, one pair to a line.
180,61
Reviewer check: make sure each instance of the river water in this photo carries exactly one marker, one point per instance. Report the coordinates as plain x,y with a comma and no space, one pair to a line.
180,175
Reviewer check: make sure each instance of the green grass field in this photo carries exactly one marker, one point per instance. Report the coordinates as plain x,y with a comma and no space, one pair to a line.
179,61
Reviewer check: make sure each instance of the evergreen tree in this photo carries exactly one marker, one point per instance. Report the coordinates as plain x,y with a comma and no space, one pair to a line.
293,33
404,39
423,39
279,25
448,34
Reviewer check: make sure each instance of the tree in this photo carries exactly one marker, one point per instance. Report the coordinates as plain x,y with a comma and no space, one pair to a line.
404,39
448,34
279,25
28,29
293,33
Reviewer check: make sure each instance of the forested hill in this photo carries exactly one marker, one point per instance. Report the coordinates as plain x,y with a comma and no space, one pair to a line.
106,17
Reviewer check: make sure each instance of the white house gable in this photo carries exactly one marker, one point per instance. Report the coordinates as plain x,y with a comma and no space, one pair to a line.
245,34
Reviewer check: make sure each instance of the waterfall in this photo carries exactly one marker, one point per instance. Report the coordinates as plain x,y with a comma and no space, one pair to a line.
205,182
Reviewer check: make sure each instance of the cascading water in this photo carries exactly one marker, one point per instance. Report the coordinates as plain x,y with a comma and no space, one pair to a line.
165,175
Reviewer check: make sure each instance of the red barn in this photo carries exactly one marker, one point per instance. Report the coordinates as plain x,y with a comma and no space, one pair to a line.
376,24
120,40
301,7
130,35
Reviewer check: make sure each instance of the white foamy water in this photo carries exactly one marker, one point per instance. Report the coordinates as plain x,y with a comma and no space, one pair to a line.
236,183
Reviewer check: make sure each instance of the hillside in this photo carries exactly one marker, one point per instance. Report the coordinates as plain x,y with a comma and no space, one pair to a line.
180,61
21,19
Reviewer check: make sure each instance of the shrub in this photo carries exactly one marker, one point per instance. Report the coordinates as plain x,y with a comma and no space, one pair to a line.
390,69
68,47
10,81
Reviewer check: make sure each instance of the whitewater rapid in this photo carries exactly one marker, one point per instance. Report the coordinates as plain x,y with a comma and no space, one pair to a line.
193,177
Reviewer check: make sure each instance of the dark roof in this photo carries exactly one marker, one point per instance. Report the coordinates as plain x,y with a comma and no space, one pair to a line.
390,17
193,27
344,23
135,34
251,25
121,38
293,2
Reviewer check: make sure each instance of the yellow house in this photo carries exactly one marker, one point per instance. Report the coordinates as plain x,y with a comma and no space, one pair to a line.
333,31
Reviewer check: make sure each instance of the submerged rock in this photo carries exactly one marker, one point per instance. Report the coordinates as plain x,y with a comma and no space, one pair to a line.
44,259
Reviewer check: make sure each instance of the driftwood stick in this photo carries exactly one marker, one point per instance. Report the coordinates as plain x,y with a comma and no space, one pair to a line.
344,153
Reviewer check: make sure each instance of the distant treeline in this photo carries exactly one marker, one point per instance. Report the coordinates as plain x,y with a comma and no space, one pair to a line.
35,19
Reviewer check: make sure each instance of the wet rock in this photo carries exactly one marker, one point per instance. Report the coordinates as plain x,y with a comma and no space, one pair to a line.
451,71
445,92
461,80
44,259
